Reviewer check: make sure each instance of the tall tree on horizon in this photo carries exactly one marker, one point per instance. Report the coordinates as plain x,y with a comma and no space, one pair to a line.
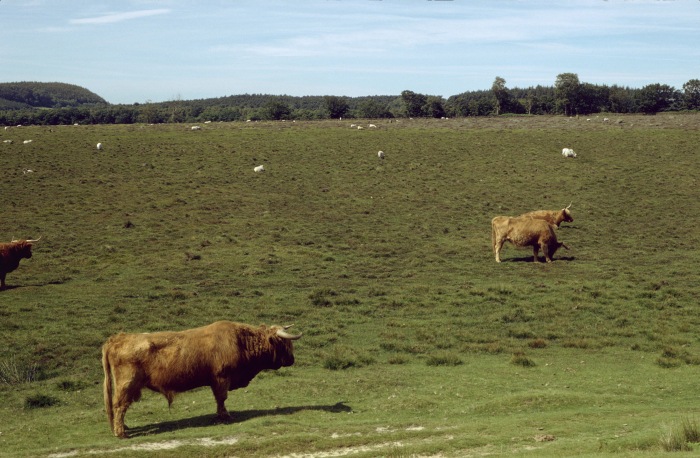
501,93
336,106
566,89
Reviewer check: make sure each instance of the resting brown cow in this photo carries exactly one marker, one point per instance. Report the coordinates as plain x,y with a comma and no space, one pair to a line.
223,355
11,254
522,232
555,217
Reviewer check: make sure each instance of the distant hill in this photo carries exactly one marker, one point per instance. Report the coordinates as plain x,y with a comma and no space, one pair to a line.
45,95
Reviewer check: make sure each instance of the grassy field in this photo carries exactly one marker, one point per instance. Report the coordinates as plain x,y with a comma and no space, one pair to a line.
416,342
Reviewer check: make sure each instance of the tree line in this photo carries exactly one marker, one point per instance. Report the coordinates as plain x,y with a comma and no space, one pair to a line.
568,97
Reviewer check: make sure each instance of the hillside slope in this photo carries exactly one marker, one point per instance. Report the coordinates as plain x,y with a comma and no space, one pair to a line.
45,95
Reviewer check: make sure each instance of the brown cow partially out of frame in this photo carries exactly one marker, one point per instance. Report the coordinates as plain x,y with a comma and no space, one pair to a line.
223,355
10,256
523,232
555,217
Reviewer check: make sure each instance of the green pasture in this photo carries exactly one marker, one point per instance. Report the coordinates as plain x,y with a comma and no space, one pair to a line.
416,342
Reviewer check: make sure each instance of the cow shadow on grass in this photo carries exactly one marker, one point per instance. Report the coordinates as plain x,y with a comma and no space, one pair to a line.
541,258
239,416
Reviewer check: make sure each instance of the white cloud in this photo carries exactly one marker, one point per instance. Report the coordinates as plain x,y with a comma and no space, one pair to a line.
119,17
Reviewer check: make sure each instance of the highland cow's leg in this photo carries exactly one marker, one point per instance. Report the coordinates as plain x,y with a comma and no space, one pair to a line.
2,280
545,250
220,390
535,252
497,248
127,389
122,401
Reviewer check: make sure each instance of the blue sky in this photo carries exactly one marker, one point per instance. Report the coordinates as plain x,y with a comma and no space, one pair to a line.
131,51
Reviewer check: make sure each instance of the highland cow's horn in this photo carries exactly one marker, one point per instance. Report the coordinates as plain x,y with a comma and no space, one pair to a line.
285,335
28,240
568,206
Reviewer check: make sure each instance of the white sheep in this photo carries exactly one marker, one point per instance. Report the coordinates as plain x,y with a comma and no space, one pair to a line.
259,168
99,146
7,141
372,125
568,152
196,128
27,141
380,155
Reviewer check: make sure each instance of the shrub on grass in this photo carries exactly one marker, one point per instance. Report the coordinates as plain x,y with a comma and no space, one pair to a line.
70,385
444,359
670,358
320,298
678,439
520,359
13,372
397,359
691,432
38,401
344,358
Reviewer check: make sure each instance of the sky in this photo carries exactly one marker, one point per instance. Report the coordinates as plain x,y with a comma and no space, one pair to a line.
135,51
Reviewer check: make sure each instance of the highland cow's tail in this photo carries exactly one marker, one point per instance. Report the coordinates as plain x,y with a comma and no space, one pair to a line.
108,387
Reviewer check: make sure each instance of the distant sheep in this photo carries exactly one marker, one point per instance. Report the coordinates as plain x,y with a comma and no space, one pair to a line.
380,155
372,125
259,168
568,152
27,141
7,141
99,146
196,128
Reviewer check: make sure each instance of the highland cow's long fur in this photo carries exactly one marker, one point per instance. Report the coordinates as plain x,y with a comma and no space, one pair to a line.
555,217
10,256
223,355
523,232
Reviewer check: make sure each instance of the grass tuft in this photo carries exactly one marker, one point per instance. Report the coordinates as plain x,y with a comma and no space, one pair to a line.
680,438
14,372
39,401
520,359
444,359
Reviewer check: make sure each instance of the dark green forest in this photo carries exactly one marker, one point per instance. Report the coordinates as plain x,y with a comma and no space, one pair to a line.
28,103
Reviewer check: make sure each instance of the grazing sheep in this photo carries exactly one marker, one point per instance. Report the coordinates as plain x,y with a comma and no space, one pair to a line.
380,155
196,128
26,141
7,141
568,152
372,125
259,168
99,146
